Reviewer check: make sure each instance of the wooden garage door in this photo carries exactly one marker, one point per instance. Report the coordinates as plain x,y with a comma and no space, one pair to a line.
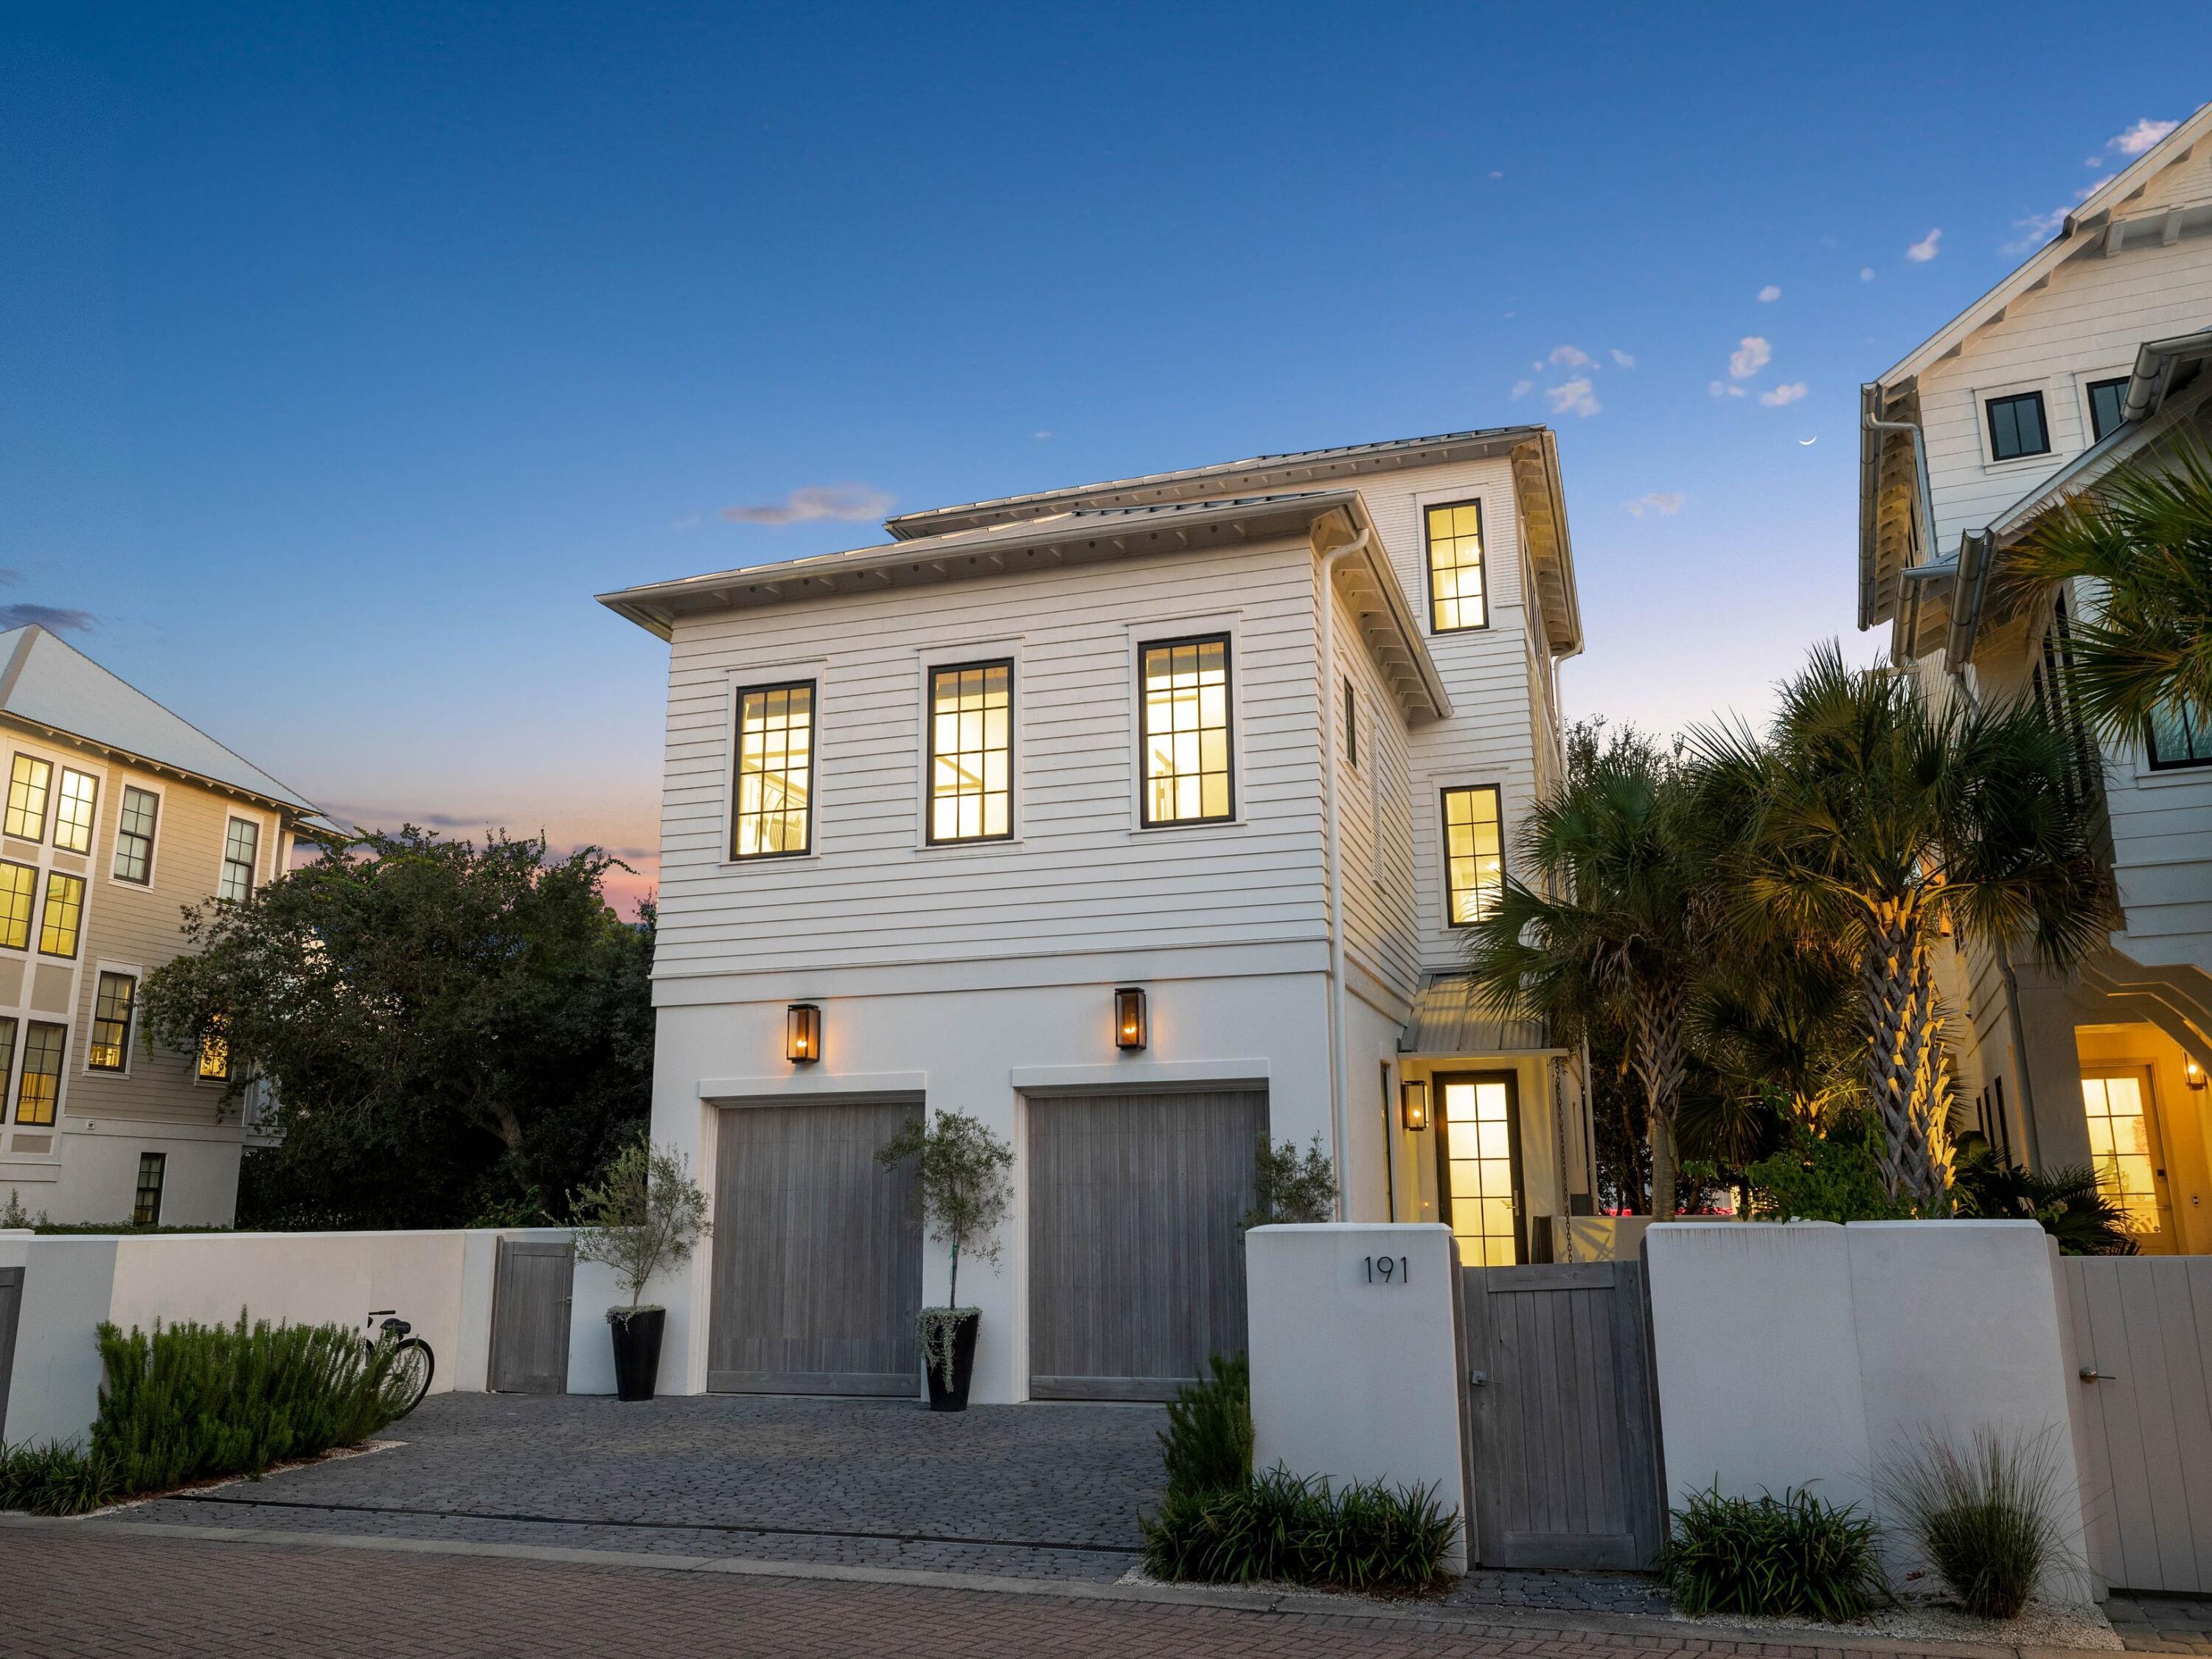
817,1254
1136,1265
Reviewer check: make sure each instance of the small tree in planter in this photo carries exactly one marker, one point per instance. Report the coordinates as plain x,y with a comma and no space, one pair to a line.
960,1167
1289,1188
643,1217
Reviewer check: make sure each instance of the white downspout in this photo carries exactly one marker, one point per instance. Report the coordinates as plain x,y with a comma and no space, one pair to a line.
1329,717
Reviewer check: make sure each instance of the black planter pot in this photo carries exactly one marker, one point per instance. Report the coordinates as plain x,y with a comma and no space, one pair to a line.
955,1399
637,1350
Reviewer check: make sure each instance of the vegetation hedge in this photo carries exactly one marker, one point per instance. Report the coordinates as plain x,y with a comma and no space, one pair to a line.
1795,1554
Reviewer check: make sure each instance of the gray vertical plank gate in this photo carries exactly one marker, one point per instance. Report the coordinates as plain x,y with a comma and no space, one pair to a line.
11,1304
531,1290
818,1252
1136,1264
2144,1325
1562,1417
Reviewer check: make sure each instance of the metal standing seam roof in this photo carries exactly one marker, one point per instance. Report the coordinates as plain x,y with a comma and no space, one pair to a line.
1450,1017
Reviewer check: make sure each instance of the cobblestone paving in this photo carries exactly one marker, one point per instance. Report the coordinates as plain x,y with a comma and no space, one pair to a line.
1561,1592
2162,1623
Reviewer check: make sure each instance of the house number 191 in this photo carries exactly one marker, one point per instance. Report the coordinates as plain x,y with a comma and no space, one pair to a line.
1387,1270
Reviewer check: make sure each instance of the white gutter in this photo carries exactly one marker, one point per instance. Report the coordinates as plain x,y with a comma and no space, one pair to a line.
1358,544
1870,467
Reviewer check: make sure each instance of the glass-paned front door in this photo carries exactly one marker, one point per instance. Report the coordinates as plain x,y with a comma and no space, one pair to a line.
1482,1169
2122,1146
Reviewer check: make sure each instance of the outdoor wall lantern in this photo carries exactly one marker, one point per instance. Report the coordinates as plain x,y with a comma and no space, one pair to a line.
1129,1018
802,1033
1413,1104
2192,1072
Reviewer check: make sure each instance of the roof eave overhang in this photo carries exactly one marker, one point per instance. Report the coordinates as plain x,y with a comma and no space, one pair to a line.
298,812
1541,498
1392,633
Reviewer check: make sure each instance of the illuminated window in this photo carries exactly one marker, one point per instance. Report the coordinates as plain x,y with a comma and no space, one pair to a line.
40,1086
1479,1174
146,1202
134,835
775,772
1455,593
1474,853
19,893
29,781
1185,731
2119,1147
111,1022
242,846
74,818
971,751
65,911
213,1063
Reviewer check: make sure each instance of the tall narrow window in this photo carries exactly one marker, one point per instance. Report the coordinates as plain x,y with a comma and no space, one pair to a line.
146,1202
2106,399
40,1086
212,1064
63,915
1350,728
2120,1147
1474,853
2017,427
972,748
241,846
134,835
74,815
7,1061
1481,1170
1184,738
19,896
29,781
1455,590
111,1022
775,772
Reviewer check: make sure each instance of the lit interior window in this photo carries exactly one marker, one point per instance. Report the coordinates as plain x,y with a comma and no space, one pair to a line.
972,748
1474,853
63,912
1479,1168
775,772
2119,1147
29,781
1455,593
1186,731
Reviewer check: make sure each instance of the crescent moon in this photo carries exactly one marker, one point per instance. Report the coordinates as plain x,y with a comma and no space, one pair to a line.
1806,442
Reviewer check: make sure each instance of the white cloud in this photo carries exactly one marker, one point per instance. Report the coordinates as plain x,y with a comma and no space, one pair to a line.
1783,394
1040,434
1865,273
1925,249
689,521
2136,140
1750,356
1722,389
1665,503
816,502
1574,397
1522,388
1769,295
1567,356
1495,174
1626,360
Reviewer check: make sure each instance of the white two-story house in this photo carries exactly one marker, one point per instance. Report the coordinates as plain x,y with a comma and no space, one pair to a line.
2092,354
1141,820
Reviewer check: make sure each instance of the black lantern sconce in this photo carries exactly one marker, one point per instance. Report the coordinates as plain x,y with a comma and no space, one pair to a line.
1413,1104
1129,1018
802,1033
2192,1072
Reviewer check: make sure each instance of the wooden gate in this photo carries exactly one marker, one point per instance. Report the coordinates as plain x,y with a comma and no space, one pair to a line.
11,1304
532,1287
2143,1325
1562,1416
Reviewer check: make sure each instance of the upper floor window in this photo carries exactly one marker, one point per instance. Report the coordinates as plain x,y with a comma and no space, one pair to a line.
1183,735
63,915
1350,728
73,819
39,1088
2180,735
212,1064
1455,590
971,750
1475,854
28,782
2017,427
134,834
111,1022
19,898
775,816
241,848
2106,399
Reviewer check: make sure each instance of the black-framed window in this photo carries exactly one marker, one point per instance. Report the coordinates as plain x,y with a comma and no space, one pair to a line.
134,834
2106,399
1183,738
2180,735
971,751
30,779
112,1007
242,850
39,1090
146,1201
2017,427
774,816
61,921
1350,727
1474,853
1458,596
19,898
212,1063
77,811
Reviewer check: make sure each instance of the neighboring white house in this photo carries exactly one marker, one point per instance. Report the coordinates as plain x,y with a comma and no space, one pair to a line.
2093,352
1084,813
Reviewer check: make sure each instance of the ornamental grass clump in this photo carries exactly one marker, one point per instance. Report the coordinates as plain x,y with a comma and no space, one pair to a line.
1795,1555
1282,1528
1207,1443
1984,1516
56,1479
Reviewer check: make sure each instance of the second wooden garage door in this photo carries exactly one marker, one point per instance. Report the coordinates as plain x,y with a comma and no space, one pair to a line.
1136,1265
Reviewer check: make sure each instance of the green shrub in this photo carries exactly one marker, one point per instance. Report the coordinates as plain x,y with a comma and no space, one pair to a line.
1982,1517
1208,1442
1831,1177
1280,1528
2070,1203
56,1479
1795,1554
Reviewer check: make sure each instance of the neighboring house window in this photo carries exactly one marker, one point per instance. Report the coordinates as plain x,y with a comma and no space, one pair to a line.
1184,735
213,1063
111,1022
2017,427
2107,398
1350,728
1474,853
134,835
2180,735
7,1061
59,921
19,893
971,751
29,781
74,819
40,1086
775,772
146,1204
242,846
1456,592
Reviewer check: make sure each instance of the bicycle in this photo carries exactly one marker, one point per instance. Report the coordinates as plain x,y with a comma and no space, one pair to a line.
412,1365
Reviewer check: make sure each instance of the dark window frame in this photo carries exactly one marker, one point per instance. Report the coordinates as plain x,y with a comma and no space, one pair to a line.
92,824
45,796
94,1042
123,836
146,1212
1482,562
2097,431
1145,648
2010,400
813,689
46,909
59,1075
1444,794
929,774
1351,725
250,865
30,941
2199,725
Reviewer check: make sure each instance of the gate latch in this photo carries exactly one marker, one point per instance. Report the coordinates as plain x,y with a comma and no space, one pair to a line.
1477,1379
2091,1374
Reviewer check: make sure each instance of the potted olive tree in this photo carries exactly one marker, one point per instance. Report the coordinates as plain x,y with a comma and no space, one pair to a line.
643,1217
960,1167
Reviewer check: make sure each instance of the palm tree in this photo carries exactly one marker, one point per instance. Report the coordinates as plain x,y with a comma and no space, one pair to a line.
1883,822
2144,534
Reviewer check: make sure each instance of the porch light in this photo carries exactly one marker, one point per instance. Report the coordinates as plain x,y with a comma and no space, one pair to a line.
1413,1104
2192,1072
802,1033
1129,1018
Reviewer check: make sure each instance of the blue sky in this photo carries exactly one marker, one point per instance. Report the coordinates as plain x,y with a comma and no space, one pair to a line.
351,349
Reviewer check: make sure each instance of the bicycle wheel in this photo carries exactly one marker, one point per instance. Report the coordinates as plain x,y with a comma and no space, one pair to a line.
412,1365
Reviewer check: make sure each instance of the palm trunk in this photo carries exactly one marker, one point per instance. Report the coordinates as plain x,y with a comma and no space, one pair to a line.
1658,1061
1903,1073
